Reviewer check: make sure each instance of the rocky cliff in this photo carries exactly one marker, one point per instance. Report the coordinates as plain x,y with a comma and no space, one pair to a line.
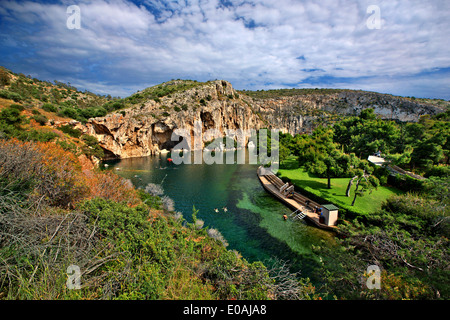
297,113
146,126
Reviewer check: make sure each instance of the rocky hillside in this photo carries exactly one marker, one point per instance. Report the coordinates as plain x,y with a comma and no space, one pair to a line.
142,124
145,127
296,110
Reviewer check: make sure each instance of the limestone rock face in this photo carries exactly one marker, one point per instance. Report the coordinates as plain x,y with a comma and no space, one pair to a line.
148,129
298,113
148,126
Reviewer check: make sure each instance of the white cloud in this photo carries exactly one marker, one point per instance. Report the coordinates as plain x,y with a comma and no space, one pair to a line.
250,43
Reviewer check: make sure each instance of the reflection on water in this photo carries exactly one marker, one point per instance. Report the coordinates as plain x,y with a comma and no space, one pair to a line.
252,222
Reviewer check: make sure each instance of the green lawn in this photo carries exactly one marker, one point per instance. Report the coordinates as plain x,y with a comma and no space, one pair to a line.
370,202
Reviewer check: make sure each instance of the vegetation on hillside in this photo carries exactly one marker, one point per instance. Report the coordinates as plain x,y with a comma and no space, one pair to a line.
406,233
127,244
57,210
275,93
59,99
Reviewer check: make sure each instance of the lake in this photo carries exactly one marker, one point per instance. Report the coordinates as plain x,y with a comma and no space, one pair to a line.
253,224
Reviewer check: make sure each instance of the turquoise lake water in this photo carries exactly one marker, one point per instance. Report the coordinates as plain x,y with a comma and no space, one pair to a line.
253,224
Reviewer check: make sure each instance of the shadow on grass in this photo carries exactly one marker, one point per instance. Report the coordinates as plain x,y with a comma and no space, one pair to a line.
310,183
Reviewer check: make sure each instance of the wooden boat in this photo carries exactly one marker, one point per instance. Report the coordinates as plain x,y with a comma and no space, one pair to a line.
304,207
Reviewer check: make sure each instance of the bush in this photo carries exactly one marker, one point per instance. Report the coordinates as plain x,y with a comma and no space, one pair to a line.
69,113
41,119
92,148
17,106
68,146
11,116
438,171
10,95
70,131
168,203
37,135
154,189
49,107
215,234
92,112
107,185
42,172
4,77
406,183
117,105
382,174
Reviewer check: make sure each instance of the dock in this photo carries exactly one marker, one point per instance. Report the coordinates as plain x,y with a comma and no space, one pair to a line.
304,207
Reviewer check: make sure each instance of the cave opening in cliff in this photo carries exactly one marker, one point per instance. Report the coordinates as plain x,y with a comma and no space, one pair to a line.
207,120
109,155
178,141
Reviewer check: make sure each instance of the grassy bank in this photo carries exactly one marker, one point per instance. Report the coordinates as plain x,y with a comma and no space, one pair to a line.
367,204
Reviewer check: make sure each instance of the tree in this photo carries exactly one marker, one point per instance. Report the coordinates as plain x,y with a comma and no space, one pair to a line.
365,183
4,77
320,155
11,116
400,159
365,135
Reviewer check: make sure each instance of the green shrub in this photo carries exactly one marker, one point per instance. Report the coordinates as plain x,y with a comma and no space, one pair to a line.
41,119
70,131
17,106
92,112
10,95
113,106
406,183
4,77
49,107
68,146
438,171
69,113
92,148
37,135
11,116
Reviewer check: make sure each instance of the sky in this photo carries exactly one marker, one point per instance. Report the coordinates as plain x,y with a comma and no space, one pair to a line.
118,47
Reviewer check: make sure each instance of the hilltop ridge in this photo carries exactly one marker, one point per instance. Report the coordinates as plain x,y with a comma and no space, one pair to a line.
142,123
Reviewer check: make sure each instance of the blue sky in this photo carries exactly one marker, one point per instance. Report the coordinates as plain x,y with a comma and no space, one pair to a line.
124,46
